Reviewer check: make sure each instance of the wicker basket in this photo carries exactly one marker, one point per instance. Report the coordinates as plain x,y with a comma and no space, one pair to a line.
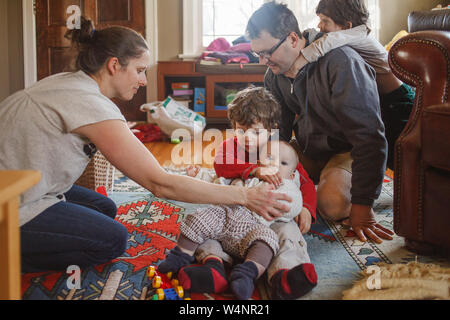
98,173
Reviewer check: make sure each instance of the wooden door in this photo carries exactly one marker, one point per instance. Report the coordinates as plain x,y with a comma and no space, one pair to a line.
54,52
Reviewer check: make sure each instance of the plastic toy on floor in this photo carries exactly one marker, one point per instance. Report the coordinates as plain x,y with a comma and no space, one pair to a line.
166,287
147,133
102,191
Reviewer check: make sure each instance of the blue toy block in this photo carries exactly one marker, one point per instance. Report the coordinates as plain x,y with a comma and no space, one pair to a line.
171,295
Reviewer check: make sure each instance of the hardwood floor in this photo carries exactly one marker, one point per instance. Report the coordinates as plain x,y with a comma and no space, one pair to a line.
170,154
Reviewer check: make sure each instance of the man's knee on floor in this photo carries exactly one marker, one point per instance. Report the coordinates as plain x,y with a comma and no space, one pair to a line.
334,207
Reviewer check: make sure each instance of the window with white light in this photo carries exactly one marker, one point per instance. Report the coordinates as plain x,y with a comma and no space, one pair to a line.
228,18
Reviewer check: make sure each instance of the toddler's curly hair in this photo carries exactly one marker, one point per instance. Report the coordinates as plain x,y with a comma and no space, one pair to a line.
253,105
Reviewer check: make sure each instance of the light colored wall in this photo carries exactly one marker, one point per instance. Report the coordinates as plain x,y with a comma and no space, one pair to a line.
15,45
394,15
170,29
11,48
4,56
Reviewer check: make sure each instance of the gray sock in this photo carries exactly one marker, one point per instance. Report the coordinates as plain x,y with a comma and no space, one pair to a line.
261,253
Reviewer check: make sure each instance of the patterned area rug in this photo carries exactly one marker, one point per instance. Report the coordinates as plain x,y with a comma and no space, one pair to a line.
153,226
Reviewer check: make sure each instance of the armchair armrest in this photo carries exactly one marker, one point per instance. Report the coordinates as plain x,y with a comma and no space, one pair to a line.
421,59
429,20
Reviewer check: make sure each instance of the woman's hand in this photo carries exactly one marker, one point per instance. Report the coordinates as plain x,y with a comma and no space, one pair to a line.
304,221
265,203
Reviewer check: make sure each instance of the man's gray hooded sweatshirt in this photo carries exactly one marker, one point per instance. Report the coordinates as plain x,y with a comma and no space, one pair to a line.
333,106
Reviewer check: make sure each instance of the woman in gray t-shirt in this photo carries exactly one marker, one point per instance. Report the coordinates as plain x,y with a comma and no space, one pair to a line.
57,125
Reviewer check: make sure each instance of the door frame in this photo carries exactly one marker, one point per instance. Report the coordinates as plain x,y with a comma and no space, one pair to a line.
30,53
29,43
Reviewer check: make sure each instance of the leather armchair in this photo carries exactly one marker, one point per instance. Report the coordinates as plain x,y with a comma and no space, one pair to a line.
429,20
422,152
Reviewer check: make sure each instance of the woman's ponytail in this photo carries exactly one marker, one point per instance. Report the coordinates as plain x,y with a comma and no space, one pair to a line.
83,35
95,47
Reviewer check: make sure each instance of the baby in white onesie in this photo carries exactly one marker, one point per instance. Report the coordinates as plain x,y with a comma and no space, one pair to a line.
241,232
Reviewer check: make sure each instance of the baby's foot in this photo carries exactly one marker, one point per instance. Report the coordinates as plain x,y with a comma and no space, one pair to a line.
175,260
209,277
242,280
295,283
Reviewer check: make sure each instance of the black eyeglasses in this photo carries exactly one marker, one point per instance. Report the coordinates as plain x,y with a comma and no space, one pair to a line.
268,53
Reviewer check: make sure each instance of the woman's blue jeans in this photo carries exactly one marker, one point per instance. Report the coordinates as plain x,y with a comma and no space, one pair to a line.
81,232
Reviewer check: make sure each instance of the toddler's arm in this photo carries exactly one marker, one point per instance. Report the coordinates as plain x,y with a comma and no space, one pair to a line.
334,40
308,190
231,165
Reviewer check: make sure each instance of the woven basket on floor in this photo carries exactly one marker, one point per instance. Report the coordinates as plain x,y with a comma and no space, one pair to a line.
98,173
412,281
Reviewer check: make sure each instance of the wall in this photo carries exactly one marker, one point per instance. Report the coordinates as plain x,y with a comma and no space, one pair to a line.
4,56
15,45
170,29
11,48
394,15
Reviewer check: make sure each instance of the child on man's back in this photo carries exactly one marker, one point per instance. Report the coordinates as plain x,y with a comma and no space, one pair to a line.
344,22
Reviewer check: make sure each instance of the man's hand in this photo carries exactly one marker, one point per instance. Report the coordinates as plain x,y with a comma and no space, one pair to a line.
266,203
364,224
304,221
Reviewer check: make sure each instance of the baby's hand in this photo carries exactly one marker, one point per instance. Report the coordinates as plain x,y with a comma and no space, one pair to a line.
304,221
192,171
270,175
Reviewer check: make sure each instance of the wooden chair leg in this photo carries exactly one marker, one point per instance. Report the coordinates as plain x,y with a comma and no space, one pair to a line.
12,185
10,251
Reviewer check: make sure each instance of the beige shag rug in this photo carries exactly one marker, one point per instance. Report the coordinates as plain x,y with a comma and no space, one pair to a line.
412,281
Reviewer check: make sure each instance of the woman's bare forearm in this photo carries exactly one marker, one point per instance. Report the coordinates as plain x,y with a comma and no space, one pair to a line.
187,189
257,199
133,159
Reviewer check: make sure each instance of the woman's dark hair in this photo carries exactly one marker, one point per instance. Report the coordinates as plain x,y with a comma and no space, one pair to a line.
97,46
275,18
343,11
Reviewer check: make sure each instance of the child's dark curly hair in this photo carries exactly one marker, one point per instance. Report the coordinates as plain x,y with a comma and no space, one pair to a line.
343,11
252,105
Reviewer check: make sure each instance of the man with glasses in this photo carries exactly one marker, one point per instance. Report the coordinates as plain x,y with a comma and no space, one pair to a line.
267,54
333,107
